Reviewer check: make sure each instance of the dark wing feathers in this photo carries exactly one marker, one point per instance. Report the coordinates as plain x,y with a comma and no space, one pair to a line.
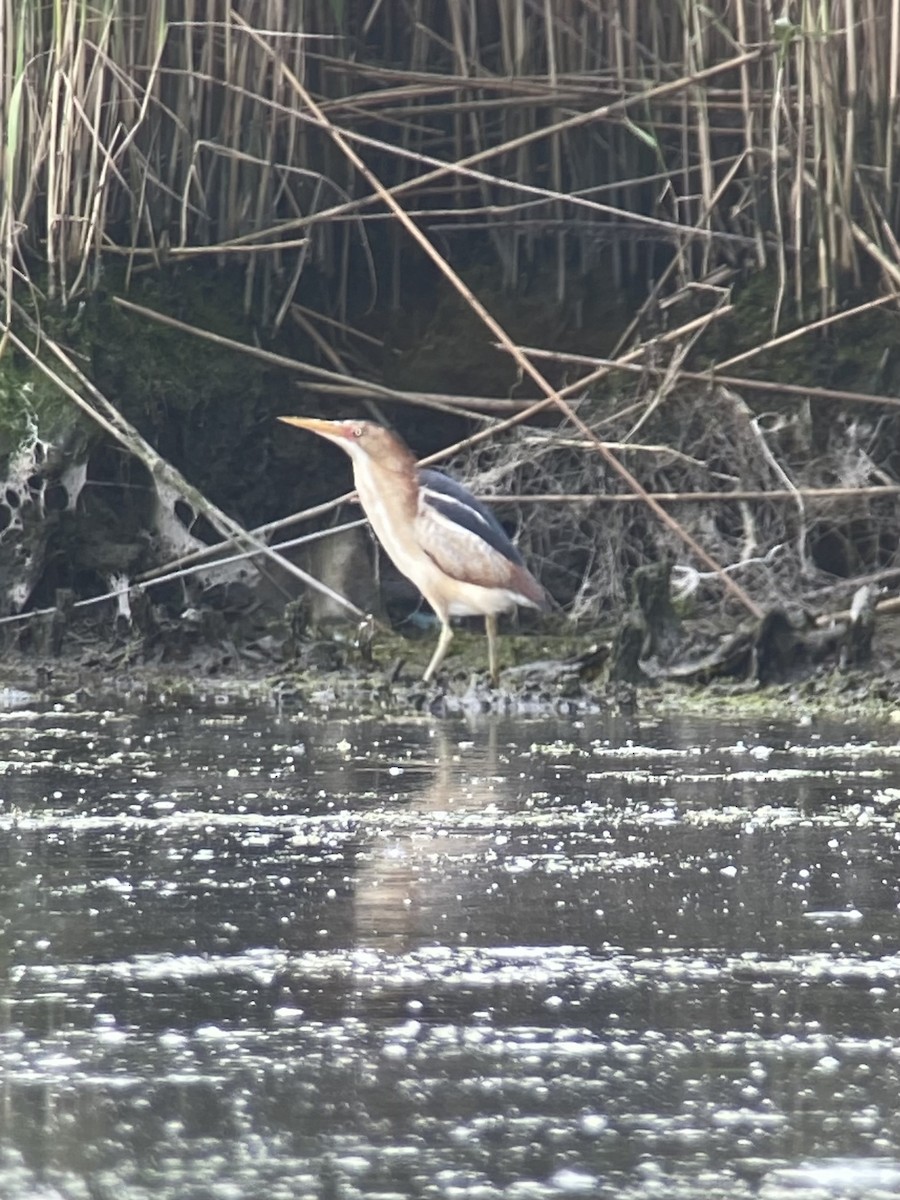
467,541
454,502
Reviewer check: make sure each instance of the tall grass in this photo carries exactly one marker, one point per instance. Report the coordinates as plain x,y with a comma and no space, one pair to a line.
153,131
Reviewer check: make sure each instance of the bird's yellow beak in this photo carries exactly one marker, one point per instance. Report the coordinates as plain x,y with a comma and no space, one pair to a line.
328,429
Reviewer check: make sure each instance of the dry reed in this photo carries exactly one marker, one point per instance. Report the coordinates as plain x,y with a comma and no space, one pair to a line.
650,140
147,131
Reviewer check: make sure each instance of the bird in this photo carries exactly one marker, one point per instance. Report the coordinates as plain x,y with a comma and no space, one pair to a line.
435,532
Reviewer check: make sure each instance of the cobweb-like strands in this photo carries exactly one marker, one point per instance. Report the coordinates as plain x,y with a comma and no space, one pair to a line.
585,552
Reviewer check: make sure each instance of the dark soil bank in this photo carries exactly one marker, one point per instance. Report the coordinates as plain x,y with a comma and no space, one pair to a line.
85,514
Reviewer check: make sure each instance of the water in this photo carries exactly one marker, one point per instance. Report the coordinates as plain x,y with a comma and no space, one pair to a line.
285,957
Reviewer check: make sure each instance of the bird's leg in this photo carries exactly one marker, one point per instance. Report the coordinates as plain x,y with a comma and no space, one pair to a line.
439,651
490,628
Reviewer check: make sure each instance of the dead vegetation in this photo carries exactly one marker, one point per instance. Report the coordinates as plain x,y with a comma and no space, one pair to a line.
776,528
578,134
326,150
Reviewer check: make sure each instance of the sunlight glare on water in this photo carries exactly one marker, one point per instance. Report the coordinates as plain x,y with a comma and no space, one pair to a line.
287,956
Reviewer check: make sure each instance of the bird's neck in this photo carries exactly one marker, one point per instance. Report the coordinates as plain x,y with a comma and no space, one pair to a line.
389,487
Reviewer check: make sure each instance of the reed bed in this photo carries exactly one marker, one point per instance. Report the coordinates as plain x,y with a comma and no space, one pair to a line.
321,148
153,132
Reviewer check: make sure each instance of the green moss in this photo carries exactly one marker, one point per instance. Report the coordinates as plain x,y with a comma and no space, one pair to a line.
31,406
155,371
855,354
208,409
828,695
468,650
445,347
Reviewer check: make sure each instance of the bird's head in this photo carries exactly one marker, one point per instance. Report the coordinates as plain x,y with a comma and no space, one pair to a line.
360,439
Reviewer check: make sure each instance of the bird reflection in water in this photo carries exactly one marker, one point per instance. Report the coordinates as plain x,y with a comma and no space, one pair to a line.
415,883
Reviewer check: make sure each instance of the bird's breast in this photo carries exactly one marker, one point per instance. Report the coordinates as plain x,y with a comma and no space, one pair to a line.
390,503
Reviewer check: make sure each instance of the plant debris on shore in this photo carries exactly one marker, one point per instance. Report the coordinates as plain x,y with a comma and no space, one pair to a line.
631,273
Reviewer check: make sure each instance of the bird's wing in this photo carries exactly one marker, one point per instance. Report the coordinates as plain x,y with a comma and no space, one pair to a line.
444,495
466,540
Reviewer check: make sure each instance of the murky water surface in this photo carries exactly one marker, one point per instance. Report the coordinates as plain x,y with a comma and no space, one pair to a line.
257,956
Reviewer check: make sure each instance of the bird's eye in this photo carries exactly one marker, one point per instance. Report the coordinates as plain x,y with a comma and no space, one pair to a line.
357,431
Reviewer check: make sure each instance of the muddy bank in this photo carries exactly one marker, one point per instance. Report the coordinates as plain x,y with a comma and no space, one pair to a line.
809,468
83,517
541,673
